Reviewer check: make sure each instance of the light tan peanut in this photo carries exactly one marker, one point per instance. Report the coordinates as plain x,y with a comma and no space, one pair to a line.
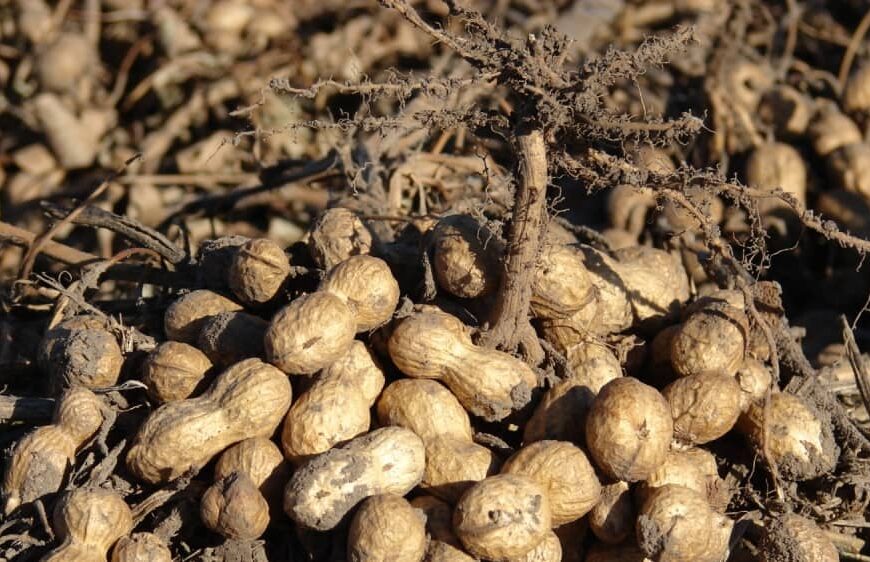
247,400
89,521
436,345
175,371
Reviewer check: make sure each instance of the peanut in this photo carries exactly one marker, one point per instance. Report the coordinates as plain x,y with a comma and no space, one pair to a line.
175,371
335,408
387,527
40,459
390,460
436,345
247,400
185,317
90,521
141,547
258,271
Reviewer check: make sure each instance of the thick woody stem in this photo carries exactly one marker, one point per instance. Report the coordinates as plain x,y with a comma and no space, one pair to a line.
509,323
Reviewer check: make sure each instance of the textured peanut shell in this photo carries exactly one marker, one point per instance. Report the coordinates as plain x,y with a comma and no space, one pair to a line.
564,472
675,524
425,407
336,407
777,165
390,460
593,364
800,439
628,429
561,285
453,465
613,517
258,271
39,461
367,286
502,517
336,235
80,351
257,458
175,371
89,521
465,257
310,333
792,537
444,545
656,283
230,337
679,468
490,384
386,528
711,339
704,406
754,378
548,550
185,317
561,413
247,400
141,547
234,508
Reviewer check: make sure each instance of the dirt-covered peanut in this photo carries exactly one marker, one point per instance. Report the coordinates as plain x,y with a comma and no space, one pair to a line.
444,545
175,371
81,351
390,460
754,378
502,517
335,408
39,460
656,283
856,94
89,521
310,333
776,165
561,285
336,235
214,259
712,339
548,550
258,271
676,524
792,537
849,168
235,508
247,400
565,473
435,345
185,317
229,337
387,527
367,286
141,547
465,256
704,406
628,429
799,440
831,129
612,519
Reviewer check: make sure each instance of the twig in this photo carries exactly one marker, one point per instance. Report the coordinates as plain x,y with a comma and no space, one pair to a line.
125,226
40,241
15,408
855,360
54,250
